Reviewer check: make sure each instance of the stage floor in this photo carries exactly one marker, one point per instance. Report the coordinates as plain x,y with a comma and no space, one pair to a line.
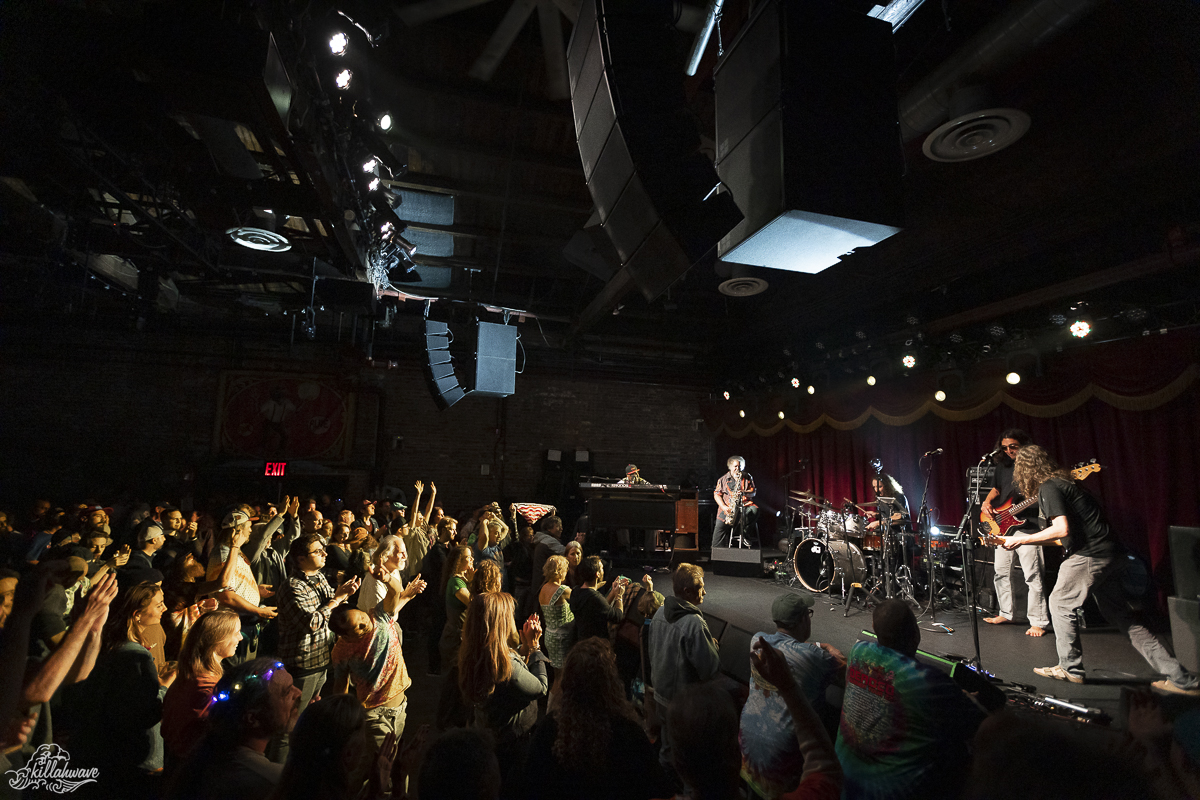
1005,650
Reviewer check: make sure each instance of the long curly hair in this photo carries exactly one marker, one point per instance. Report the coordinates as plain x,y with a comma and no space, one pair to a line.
454,563
489,638
316,768
487,577
592,698
1033,467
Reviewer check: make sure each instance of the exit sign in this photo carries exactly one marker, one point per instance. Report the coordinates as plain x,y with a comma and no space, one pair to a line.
275,469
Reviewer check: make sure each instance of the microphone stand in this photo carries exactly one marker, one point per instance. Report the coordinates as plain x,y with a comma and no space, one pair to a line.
923,527
967,539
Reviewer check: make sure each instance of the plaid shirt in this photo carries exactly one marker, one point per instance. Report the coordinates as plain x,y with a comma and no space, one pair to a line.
305,640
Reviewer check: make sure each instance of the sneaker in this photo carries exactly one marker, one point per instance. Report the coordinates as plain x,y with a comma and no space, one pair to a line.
1058,673
1166,686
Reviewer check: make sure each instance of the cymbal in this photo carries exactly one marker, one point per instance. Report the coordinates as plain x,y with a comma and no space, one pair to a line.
806,500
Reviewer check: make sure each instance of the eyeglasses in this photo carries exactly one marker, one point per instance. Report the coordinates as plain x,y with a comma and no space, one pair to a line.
1011,447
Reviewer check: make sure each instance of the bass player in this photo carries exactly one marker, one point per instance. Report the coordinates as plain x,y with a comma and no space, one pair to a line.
737,513
1004,490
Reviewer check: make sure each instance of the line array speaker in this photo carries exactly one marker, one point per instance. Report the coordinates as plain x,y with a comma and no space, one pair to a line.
495,360
655,192
439,366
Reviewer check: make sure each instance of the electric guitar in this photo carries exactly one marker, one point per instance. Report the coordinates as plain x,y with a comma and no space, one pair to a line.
992,531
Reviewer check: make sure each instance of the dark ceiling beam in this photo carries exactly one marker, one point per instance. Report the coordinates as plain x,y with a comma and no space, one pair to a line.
510,268
520,155
477,232
475,92
440,185
1133,270
605,301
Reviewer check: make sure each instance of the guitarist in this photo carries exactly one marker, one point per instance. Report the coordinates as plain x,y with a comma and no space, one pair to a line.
1094,565
736,511
1032,562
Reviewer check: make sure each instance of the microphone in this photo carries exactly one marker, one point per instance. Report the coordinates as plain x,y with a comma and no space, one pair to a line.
936,452
994,453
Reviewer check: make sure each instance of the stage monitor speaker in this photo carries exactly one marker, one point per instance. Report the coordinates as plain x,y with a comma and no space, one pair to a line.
808,139
1185,631
716,625
1185,560
495,369
735,652
655,192
741,562
439,366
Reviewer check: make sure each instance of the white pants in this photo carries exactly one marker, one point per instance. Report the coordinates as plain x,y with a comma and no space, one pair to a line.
1032,565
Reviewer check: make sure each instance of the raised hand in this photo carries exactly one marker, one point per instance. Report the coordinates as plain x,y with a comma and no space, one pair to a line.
415,586
770,664
420,487
122,556
99,599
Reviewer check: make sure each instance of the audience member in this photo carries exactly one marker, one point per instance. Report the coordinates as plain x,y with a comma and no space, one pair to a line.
456,579
905,727
434,566
557,617
327,753
573,552
390,559
240,590
594,611
592,745
150,539
682,649
502,677
213,638
461,764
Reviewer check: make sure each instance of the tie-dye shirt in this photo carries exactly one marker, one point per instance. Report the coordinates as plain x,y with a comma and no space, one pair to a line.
905,727
771,760
376,662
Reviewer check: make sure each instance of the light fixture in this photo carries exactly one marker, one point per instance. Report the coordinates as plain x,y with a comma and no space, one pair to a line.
1058,319
912,320
909,361
342,81
860,335
997,331
725,395
1013,378
338,43
956,338
870,380
373,185
795,383
812,390
781,415
1080,328
370,165
387,228
742,412
259,239
385,121
939,395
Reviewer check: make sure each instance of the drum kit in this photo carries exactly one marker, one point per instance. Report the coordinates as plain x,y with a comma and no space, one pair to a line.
836,549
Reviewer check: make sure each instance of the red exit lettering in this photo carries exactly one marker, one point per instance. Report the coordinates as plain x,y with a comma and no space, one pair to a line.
275,469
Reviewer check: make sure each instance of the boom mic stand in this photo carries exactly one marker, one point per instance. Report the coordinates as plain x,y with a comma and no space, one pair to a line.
923,527
967,539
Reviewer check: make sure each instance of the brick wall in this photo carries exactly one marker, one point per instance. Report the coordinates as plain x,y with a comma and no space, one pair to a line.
101,412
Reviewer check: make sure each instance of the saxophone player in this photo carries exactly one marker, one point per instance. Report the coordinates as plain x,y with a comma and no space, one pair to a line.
736,511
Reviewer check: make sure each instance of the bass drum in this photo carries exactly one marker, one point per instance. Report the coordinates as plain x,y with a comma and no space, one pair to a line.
819,564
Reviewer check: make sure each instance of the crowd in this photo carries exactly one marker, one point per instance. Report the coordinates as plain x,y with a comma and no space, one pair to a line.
254,651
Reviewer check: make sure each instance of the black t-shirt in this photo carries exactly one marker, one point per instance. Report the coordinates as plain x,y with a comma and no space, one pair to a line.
1089,533
593,613
1002,482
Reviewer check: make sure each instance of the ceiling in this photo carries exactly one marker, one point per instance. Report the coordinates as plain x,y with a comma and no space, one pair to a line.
135,134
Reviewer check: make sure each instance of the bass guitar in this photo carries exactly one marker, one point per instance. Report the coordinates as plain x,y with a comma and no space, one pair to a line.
993,530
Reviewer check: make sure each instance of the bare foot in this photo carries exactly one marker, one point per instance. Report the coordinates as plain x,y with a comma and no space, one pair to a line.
995,620
1034,630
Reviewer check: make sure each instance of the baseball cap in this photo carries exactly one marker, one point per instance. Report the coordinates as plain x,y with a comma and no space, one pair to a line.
132,576
789,609
87,511
149,532
235,518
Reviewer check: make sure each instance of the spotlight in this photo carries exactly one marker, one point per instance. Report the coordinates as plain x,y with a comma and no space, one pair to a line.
1135,314
387,229
1013,378
385,122
909,361
373,185
338,43
939,395
912,320
370,165
820,345
1080,328
342,81
860,335
795,383
997,331
870,380
725,395
742,412
781,415
812,390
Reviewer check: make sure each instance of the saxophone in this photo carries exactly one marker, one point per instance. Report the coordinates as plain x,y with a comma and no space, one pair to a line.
735,502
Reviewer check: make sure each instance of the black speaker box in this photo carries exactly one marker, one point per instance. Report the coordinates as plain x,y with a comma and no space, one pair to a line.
740,562
495,360
439,366
638,141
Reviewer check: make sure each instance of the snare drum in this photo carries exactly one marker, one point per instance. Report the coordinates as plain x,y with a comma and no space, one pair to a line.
831,524
819,564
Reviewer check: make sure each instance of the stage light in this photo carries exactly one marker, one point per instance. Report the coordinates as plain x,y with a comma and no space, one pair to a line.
939,395
812,390
870,380
997,331
860,335
912,320
385,122
935,530
1080,328
342,81
373,185
795,383
781,415
725,395
742,412
370,164
1013,377
338,43
387,228
909,361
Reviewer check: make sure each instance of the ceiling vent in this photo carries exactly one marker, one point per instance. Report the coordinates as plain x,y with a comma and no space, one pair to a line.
259,239
976,134
742,280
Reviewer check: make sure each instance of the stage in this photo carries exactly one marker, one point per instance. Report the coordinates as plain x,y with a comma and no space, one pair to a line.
1005,649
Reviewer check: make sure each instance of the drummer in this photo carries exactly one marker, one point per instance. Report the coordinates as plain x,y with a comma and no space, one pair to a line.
885,485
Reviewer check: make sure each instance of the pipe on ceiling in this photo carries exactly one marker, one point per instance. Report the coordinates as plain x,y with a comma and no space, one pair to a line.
710,22
1022,29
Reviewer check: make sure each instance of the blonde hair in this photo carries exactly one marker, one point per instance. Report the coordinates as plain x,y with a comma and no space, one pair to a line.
487,577
687,577
197,656
555,569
